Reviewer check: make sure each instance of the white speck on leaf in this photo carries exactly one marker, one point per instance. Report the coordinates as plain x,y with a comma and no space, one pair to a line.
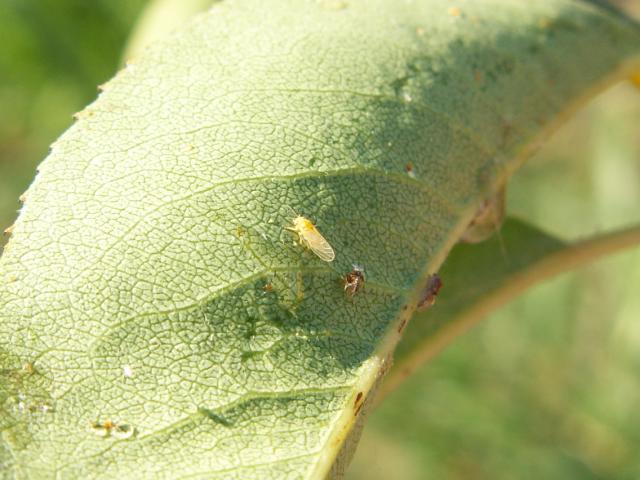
127,371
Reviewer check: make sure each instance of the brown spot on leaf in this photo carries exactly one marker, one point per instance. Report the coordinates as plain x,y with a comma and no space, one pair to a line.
430,292
403,324
409,168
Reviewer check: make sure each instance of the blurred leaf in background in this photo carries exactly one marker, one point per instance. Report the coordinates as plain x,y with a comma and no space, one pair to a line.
54,54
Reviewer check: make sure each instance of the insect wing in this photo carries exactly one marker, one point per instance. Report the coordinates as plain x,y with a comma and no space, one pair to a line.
319,245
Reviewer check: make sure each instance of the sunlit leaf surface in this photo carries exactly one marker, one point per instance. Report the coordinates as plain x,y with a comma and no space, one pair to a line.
157,318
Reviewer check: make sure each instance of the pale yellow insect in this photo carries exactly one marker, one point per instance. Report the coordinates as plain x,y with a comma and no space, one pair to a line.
310,237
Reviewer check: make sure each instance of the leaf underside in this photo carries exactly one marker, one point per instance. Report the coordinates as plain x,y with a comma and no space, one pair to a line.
481,278
133,287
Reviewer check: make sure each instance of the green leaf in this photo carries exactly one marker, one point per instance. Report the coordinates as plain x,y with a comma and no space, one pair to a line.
133,288
481,278
511,389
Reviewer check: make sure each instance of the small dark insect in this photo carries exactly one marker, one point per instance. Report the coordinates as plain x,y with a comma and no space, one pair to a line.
430,292
354,281
268,288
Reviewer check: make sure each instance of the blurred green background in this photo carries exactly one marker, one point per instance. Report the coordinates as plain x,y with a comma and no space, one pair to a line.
545,388
53,55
